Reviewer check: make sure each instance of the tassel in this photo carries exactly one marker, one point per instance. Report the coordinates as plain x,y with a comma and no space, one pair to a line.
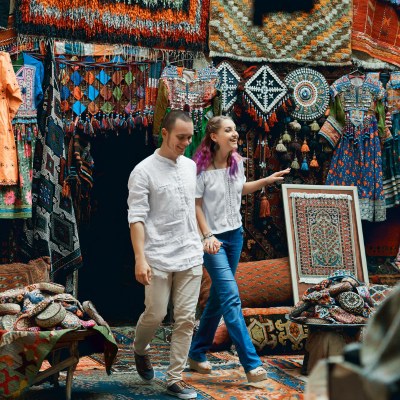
314,162
304,165
66,189
304,147
314,126
273,118
286,137
295,163
265,209
266,127
295,126
281,147
257,153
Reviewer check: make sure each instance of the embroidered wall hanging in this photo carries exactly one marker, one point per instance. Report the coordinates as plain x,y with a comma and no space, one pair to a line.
228,84
264,92
376,30
310,93
319,37
324,233
163,24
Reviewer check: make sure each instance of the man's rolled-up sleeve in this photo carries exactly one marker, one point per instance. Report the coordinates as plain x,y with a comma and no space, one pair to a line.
138,198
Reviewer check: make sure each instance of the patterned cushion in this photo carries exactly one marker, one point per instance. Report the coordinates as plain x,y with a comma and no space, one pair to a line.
19,275
270,332
378,293
261,284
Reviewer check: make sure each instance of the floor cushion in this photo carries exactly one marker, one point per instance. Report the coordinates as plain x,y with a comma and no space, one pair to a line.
261,284
270,332
18,275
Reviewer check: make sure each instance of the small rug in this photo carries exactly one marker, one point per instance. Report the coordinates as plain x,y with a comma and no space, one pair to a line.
227,382
178,24
376,30
319,37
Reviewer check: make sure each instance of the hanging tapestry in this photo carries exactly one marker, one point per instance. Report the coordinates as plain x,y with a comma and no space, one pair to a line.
228,85
318,37
310,93
376,30
163,24
264,92
52,231
323,234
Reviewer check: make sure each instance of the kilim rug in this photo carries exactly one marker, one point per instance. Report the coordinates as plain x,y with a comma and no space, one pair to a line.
226,382
376,29
318,37
173,24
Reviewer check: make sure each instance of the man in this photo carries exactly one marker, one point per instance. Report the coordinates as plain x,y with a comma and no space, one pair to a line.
167,246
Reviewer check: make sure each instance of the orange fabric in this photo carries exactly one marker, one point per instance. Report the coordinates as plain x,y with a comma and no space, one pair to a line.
10,100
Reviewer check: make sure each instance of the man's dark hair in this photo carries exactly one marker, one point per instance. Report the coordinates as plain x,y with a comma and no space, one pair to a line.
170,119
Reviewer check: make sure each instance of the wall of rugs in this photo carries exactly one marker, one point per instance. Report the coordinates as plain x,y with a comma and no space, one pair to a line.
323,98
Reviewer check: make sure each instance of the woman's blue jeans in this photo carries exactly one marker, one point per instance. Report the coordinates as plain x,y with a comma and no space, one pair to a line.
224,301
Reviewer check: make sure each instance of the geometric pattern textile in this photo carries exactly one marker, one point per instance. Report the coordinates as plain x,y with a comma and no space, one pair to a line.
228,85
323,234
161,24
52,231
376,30
319,37
265,91
310,93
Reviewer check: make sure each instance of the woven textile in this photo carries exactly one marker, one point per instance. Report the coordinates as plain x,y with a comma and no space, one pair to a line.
323,234
162,24
320,37
310,93
376,30
228,85
53,229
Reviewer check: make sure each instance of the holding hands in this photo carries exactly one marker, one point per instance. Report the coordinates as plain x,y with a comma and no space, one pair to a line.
211,245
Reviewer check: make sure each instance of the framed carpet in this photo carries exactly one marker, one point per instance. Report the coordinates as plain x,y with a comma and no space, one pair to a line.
166,24
324,232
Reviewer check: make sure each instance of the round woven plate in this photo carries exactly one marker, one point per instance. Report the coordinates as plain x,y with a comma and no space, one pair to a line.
310,93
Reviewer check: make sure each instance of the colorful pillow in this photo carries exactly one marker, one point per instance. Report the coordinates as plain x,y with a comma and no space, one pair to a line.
379,293
261,284
18,275
270,332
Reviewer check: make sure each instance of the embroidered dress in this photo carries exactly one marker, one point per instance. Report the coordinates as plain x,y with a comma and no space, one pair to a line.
391,155
10,100
190,90
16,200
354,128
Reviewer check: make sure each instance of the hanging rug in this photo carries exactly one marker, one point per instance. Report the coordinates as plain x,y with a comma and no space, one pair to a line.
310,93
228,85
265,91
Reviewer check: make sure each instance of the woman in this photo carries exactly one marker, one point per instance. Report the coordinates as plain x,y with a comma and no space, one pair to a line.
221,183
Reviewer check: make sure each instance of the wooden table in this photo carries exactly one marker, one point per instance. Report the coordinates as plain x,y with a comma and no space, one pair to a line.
69,342
326,340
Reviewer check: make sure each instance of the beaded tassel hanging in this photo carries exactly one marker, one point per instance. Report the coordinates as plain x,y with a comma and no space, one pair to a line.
265,209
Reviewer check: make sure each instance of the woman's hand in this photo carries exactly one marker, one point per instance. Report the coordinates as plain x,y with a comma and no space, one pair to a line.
211,245
276,177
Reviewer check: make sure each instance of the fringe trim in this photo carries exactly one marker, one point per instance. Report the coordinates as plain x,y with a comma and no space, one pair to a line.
277,60
327,196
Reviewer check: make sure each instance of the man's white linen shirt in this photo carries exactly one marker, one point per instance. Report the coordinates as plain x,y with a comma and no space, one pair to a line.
162,197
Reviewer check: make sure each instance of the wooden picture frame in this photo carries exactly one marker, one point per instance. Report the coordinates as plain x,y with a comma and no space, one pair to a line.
324,233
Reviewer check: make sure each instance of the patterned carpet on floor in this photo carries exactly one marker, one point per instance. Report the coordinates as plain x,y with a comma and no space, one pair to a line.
227,382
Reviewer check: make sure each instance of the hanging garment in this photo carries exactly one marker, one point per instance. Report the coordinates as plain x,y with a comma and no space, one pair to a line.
16,200
189,90
391,150
354,128
10,100
52,231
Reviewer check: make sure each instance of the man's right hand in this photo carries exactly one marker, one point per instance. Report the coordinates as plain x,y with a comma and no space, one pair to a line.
143,273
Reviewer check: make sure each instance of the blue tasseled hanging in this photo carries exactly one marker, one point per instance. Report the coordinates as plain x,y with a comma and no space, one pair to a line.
304,165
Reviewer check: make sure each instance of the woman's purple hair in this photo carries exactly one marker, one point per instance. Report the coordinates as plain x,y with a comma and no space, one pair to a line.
204,154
